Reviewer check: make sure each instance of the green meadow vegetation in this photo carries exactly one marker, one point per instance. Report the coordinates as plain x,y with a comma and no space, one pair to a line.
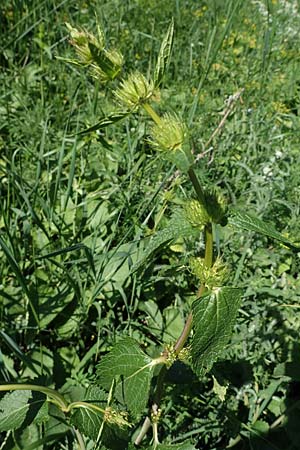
149,225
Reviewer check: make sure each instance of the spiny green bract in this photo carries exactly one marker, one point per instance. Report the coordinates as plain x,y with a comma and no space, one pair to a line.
209,276
196,214
104,64
81,39
169,135
136,90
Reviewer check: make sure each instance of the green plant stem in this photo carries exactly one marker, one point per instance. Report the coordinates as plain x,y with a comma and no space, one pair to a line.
81,444
85,405
208,260
55,396
155,405
155,435
209,246
152,113
197,186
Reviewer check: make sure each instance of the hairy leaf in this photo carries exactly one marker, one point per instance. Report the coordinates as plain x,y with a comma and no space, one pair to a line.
87,421
90,423
164,55
214,316
242,219
132,366
19,408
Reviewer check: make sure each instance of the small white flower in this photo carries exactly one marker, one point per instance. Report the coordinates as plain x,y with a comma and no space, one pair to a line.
267,171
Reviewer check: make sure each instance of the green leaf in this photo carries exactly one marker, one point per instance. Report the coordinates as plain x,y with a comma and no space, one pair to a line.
214,316
241,219
164,55
19,408
183,446
260,427
174,323
129,363
177,227
106,121
90,422
20,277
104,62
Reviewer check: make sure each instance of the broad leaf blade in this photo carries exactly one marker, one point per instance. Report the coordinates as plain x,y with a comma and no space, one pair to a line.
164,55
106,121
183,446
178,226
87,421
214,316
19,408
241,219
128,361
90,422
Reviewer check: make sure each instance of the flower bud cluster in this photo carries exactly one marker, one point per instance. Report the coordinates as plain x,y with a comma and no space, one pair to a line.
196,214
216,207
209,276
170,137
135,90
169,134
172,356
116,417
104,64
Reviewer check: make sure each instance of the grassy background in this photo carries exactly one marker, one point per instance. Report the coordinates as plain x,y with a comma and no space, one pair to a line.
74,210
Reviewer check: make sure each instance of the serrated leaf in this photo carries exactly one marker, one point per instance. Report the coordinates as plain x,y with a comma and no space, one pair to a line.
128,362
213,317
241,219
178,227
90,422
164,55
19,408
106,121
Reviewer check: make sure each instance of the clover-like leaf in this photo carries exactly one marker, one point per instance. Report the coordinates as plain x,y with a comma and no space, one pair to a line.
214,316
